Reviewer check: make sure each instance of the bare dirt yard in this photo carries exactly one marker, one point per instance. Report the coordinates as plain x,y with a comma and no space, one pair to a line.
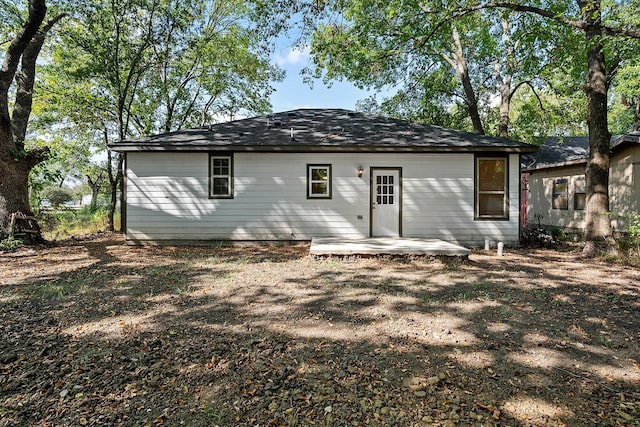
94,332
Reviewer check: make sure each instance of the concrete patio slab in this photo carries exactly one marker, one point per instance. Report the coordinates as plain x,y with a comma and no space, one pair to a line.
385,246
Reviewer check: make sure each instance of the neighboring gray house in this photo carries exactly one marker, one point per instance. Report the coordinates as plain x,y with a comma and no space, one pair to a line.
556,188
321,173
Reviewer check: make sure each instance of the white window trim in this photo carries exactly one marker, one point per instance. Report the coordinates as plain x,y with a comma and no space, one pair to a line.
310,181
504,192
229,177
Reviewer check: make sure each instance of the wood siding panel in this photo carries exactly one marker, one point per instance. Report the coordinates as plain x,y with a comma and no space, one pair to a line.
539,208
623,195
624,192
167,198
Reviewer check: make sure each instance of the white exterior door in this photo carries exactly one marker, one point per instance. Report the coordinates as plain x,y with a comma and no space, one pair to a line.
386,199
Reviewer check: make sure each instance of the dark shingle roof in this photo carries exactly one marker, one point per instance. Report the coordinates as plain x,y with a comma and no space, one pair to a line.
624,140
556,151
570,150
320,130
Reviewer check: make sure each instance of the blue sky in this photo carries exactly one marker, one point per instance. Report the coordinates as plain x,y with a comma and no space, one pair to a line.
293,93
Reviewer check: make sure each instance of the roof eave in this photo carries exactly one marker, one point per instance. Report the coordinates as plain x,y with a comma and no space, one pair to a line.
126,148
554,165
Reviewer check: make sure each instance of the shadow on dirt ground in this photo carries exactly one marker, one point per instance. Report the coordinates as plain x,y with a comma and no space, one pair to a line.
95,332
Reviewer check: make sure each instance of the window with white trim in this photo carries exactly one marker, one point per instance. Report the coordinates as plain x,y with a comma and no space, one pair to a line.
318,181
221,176
491,188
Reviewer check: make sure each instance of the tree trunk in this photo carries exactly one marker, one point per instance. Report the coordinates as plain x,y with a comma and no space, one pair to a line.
115,181
505,78
505,105
14,190
95,188
459,65
598,234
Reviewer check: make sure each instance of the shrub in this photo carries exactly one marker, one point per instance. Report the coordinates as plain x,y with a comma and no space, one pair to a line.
629,240
58,195
537,237
63,224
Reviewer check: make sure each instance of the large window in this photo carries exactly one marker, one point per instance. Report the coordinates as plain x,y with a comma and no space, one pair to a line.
560,194
491,188
221,177
318,181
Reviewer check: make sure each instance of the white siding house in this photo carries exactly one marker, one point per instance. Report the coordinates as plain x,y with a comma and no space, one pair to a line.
204,186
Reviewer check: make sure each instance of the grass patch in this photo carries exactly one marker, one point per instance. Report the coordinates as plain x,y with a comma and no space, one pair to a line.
63,224
10,244
56,290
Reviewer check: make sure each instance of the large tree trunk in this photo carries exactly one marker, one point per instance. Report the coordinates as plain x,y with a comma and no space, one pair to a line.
598,234
459,65
14,193
505,106
505,78
16,162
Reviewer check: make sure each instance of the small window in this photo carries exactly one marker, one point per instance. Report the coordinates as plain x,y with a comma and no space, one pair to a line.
220,177
580,194
559,197
491,188
318,181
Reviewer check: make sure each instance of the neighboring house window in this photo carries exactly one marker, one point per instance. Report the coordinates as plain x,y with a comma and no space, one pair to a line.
580,194
318,181
559,194
221,177
491,188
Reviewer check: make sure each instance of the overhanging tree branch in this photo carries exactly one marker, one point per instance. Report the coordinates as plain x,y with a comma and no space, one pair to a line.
575,23
25,80
530,84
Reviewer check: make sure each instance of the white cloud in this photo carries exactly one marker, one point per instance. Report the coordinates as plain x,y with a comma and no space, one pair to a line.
293,56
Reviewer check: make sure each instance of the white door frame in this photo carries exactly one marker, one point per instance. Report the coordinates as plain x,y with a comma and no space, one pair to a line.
373,202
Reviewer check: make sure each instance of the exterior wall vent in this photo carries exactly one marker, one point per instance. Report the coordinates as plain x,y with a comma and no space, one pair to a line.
277,121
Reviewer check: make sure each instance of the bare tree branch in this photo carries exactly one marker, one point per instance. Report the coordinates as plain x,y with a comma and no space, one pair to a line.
530,84
575,23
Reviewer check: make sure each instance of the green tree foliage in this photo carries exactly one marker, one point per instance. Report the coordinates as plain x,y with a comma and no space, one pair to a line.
458,73
625,110
127,68
57,195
